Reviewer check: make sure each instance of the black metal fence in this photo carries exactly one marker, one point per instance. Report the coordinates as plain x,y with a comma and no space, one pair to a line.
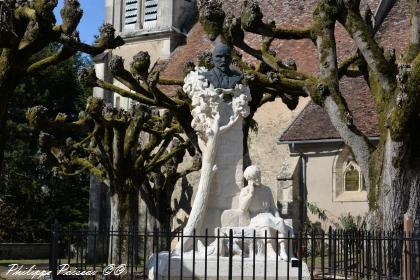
234,253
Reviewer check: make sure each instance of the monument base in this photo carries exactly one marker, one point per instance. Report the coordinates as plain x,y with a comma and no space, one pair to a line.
263,269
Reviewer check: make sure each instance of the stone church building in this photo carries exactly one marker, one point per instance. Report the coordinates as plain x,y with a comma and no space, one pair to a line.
300,154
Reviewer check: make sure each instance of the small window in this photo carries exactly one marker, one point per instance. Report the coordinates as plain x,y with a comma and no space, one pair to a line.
117,102
348,182
140,14
352,177
131,14
150,13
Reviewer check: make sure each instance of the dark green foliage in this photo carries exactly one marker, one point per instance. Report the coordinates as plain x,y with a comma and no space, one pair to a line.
57,88
30,195
315,210
349,222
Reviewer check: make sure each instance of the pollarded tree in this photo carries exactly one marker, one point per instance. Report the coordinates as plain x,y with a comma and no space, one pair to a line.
26,28
129,151
124,150
142,85
391,168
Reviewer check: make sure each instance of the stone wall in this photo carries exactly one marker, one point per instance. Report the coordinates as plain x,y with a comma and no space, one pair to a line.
318,180
272,118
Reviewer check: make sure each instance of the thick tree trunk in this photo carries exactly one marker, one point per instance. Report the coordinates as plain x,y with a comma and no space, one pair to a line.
10,72
124,223
395,190
163,220
3,127
399,184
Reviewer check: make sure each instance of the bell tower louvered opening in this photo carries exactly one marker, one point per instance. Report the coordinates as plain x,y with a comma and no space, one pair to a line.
150,13
131,14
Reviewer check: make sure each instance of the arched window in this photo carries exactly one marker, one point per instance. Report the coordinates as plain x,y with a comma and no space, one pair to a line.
348,182
353,180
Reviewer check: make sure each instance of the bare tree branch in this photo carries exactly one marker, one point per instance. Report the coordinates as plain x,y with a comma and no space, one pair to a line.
251,20
414,21
165,81
344,67
57,57
369,48
125,93
106,40
278,82
333,102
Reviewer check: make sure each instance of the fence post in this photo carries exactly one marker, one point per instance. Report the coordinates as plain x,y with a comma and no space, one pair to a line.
300,251
407,254
329,250
230,253
54,248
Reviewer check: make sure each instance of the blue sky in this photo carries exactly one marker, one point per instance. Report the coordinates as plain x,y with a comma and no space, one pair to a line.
93,17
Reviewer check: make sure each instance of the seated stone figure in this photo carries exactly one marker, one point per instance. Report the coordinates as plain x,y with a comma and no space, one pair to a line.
258,211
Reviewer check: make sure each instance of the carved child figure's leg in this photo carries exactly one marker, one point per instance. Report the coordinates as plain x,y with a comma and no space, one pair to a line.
271,252
236,249
282,229
251,246
282,243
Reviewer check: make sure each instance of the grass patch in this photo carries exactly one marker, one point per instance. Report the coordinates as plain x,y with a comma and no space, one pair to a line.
23,261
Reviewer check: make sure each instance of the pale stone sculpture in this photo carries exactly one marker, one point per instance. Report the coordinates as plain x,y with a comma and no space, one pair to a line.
256,205
215,111
217,119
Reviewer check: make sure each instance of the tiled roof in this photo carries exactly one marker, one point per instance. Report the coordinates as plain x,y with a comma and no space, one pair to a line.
313,122
298,13
197,42
289,13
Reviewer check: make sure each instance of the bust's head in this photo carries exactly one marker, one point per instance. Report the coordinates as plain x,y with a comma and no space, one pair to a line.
253,174
222,57
221,76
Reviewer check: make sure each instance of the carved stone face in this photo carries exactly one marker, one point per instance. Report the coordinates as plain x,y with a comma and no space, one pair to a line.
221,76
253,174
221,57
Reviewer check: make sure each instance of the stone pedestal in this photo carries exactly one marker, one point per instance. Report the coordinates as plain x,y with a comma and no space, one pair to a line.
287,182
263,269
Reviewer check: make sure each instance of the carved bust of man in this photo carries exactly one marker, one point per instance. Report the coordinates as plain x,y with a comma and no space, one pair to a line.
221,76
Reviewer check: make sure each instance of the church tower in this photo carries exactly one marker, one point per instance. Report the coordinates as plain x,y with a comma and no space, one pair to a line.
155,26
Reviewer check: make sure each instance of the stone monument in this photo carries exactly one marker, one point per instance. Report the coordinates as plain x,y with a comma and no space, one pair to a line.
257,212
220,102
